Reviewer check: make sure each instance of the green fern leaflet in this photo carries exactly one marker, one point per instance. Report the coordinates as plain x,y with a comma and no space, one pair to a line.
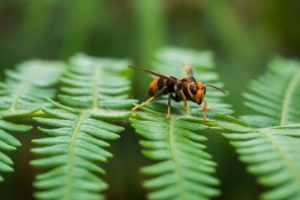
8,143
275,96
76,142
22,93
272,146
25,88
182,169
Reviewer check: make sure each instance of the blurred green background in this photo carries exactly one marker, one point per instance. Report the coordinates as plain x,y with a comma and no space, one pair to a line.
243,34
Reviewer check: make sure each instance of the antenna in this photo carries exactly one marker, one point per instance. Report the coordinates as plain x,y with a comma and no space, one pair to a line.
217,88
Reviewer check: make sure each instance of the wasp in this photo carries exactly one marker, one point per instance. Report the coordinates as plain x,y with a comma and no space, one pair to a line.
183,89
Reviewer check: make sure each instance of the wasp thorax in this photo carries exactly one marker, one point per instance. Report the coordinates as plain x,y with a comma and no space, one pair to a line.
178,86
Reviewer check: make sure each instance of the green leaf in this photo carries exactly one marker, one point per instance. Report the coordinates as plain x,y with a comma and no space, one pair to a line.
276,94
21,94
271,145
24,89
76,136
9,143
182,169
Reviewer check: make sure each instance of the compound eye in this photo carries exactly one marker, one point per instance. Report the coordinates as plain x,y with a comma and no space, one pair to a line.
193,89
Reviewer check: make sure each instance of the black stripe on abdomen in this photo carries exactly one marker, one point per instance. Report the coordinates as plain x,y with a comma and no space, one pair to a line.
161,83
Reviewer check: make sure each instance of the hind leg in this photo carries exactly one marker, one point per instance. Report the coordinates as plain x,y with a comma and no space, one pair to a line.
160,92
204,107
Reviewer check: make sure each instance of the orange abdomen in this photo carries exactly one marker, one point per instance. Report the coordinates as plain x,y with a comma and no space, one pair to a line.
153,88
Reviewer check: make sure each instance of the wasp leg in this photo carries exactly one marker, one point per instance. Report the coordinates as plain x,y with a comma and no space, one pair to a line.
204,107
184,100
150,99
169,107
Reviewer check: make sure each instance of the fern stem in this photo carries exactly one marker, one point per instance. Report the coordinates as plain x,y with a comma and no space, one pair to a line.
282,152
292,86
70,165
95,87
176,161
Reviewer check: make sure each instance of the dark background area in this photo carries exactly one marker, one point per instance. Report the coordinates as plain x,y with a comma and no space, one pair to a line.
244,35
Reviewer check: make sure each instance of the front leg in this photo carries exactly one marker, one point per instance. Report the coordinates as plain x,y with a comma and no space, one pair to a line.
204,107
184,100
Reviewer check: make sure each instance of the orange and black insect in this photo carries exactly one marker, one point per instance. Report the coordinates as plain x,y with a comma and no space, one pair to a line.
184,89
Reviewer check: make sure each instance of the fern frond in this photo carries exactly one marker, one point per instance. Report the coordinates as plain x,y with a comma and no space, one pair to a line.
275,95
182,169
271,146
9,143
21,94
96,83
24,88
273,155
76,142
